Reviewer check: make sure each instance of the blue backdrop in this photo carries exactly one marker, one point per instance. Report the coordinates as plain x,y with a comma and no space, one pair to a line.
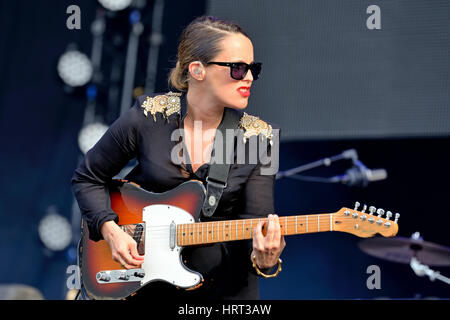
39,125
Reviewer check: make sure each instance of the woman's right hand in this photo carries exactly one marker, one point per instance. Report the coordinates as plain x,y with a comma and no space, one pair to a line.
123,246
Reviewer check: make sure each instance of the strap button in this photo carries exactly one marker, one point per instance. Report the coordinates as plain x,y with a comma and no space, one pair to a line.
212,200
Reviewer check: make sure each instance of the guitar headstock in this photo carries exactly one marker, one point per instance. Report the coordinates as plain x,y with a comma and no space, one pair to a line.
365,224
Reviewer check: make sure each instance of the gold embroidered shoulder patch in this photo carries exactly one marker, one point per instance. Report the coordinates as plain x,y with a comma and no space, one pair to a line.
167,104
254,126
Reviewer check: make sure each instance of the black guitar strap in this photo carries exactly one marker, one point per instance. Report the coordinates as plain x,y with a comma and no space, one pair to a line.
223,154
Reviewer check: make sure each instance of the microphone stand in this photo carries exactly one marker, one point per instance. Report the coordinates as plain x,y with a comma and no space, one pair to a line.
293,173
358,175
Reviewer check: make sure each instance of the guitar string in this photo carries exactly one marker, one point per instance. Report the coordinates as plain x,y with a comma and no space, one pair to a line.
310,221
221,228
218,235
232,223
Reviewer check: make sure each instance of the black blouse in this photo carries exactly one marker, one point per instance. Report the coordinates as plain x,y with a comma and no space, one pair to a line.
226,267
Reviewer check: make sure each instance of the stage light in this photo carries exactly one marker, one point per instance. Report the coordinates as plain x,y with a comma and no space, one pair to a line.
55,231
75,68
115,5
90,134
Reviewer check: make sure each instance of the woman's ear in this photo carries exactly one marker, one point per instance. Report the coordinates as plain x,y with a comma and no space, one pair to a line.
196,70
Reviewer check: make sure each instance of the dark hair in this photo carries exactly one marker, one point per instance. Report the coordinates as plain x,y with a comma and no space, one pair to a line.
200,41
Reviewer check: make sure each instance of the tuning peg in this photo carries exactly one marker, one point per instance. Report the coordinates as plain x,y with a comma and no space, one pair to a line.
364,208
380,212
388,215
357,204
372,209
397,215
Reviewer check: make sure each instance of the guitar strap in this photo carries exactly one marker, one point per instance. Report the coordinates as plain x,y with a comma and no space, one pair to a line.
221,159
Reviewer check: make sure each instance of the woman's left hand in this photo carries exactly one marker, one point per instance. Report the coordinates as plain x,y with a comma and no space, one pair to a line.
267,249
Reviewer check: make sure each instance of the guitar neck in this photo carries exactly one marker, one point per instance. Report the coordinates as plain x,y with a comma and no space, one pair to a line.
242,229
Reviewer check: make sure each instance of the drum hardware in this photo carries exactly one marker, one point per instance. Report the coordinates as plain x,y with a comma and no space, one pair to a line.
414,251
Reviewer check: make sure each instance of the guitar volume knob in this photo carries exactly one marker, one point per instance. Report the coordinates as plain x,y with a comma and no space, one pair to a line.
102,276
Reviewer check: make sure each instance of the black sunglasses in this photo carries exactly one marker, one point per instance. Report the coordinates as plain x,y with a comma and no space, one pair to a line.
238,70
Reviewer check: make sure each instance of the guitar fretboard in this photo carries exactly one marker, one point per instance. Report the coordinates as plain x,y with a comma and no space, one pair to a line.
242,229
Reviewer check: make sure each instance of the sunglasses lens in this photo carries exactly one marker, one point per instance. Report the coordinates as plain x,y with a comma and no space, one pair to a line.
255,68
238,71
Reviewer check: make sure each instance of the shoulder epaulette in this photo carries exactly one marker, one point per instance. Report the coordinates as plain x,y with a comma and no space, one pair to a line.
167,104
254,126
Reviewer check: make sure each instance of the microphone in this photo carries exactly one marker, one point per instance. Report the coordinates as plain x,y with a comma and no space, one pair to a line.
359,175
350,154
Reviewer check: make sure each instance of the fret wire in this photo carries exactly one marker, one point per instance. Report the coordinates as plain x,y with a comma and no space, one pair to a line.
229,226
318,226
285,227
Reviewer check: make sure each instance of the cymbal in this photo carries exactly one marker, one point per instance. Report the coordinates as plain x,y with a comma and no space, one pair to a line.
401,250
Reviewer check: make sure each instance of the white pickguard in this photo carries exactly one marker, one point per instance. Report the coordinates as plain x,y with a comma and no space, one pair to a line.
160,261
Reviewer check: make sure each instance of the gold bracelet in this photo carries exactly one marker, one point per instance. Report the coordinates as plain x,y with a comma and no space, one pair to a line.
267,275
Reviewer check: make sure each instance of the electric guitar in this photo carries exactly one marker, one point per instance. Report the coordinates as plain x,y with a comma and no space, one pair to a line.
163,224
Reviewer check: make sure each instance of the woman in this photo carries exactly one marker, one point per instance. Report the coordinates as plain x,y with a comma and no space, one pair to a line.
214,71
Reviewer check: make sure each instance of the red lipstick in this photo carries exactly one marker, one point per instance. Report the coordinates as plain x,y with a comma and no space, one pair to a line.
244,91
